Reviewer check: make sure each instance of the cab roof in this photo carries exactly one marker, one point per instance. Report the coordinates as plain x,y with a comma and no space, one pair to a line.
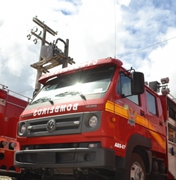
85,65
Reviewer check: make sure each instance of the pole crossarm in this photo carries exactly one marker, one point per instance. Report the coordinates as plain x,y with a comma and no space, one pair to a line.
46,42
45,65
44,26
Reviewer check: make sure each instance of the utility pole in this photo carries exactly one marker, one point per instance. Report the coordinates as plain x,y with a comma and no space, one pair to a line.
59,57
43,41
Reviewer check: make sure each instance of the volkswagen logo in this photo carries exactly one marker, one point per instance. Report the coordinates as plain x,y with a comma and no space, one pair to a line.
51,125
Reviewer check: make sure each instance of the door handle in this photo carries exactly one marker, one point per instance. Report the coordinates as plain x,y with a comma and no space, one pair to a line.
142,113
160,123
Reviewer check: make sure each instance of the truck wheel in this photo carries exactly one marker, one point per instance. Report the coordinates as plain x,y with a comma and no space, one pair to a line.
136,168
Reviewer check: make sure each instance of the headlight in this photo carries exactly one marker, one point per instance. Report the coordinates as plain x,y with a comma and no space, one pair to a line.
12,145
22,129
93,121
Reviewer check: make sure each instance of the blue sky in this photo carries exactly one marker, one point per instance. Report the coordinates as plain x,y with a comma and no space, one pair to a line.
140,33
145,20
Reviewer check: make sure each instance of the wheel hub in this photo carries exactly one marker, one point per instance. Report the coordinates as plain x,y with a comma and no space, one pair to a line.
136,172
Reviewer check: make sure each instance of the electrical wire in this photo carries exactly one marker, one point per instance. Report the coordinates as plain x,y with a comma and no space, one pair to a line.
148,47
17,54
26,90
10,42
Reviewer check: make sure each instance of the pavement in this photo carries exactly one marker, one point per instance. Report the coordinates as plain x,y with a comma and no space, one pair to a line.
5,178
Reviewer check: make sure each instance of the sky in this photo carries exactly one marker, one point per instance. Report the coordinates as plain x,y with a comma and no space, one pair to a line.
142,34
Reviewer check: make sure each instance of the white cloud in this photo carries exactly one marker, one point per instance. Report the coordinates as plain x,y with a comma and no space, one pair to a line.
124,2
90,27
161,61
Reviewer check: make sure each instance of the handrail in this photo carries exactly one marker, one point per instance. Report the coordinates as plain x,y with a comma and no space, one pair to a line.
17,95
172,97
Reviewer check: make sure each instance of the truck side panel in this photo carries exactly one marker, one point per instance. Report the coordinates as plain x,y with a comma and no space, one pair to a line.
10,113
171,131
10,109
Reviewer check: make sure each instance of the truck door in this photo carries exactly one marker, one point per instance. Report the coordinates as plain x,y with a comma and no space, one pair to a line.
156,125
134,121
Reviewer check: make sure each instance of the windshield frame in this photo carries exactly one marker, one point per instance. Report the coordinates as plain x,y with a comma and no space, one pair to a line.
79,83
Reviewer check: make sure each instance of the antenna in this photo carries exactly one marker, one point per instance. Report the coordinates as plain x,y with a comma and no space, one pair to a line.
115,29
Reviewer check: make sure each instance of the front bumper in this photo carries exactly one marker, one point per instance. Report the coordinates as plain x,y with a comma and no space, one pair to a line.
66,157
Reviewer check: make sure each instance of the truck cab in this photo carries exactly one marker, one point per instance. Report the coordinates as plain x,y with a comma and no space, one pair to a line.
94,120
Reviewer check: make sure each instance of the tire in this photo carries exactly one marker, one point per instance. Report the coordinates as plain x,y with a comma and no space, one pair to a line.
136,168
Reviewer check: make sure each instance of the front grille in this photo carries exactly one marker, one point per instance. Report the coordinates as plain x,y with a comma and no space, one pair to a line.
67,124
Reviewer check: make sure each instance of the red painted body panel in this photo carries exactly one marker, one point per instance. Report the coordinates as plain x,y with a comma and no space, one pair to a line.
10,109
7,156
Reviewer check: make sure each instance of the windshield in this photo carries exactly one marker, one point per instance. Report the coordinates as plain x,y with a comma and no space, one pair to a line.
80,83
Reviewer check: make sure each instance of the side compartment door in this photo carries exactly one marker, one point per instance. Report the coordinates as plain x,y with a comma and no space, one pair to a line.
13,109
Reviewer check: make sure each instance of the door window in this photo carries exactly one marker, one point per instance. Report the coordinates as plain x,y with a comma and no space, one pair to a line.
151,102
124,88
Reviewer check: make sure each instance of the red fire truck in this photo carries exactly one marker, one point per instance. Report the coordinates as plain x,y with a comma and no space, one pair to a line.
11,106
98,120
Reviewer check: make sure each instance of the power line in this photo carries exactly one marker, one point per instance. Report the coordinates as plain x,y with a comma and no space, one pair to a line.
26,90
148,46
17,54
10,42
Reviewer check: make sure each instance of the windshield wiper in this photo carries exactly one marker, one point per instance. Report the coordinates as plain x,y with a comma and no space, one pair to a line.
82,96
71,93
41,100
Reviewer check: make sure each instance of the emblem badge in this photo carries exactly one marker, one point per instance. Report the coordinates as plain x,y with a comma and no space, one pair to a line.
132,116
51,125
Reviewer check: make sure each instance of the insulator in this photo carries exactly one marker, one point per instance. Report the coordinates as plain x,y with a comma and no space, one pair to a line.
165,80
165,91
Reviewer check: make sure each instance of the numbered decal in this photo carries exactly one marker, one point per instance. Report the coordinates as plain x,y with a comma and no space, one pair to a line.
118,145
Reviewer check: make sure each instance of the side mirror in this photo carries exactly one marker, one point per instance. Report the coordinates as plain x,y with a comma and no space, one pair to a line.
137,84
